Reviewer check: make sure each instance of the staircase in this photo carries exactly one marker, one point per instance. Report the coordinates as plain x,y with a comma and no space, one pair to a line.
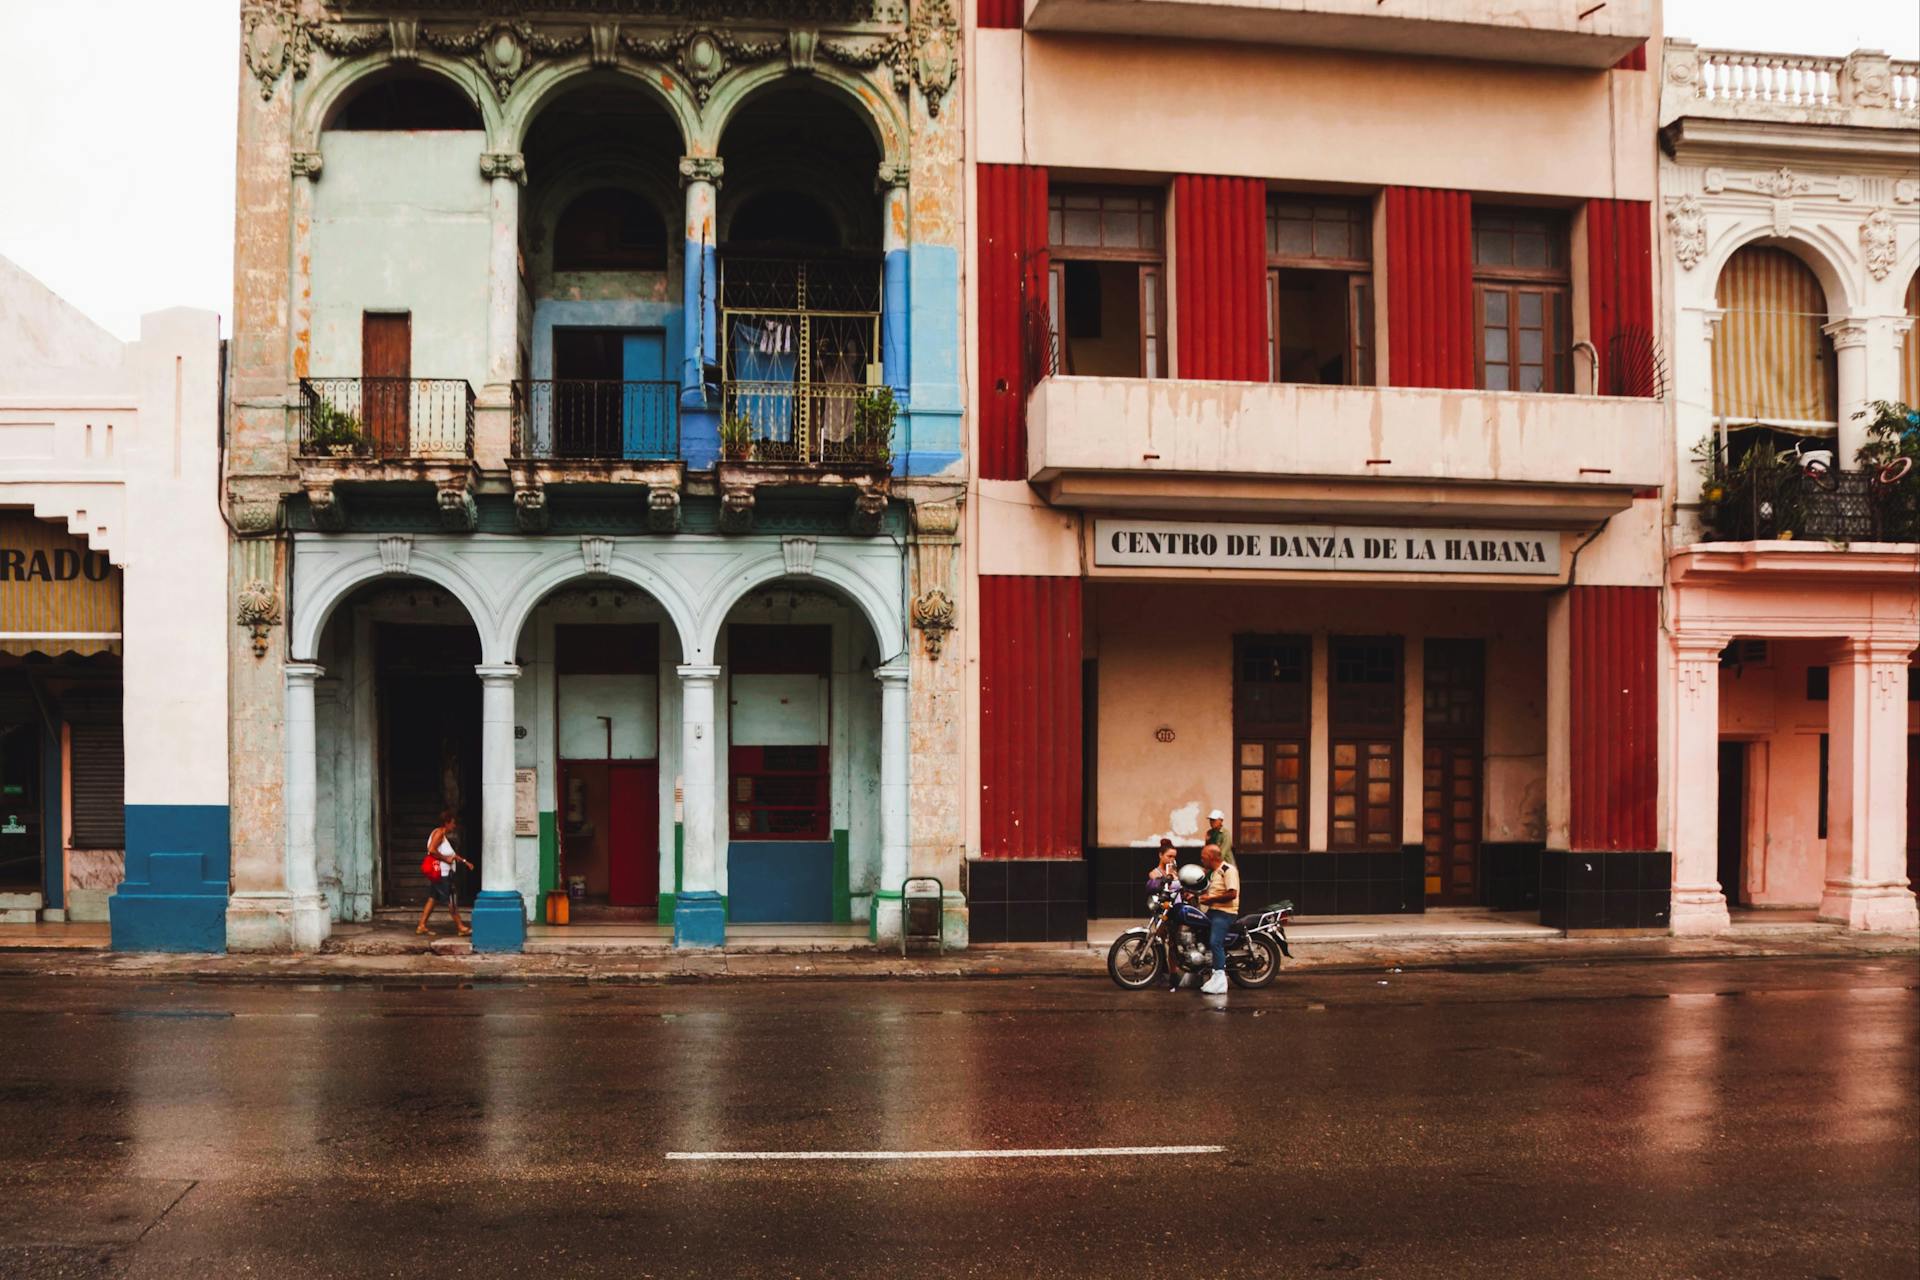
21,907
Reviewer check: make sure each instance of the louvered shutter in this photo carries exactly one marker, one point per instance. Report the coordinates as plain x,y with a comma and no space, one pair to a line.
99,786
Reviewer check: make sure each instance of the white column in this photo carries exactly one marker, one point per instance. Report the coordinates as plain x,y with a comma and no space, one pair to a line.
499,913
894,740
1866,787
307,919
699,920
1699,901
505,172
894,213
1850,373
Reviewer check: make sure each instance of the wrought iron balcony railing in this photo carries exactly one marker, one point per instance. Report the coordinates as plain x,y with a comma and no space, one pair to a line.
1783,502
812,423
386,418
595,421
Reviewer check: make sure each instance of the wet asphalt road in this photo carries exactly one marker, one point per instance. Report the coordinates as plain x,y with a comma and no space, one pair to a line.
1746,1118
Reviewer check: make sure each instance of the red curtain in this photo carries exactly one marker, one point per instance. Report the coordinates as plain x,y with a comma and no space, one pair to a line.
1220,264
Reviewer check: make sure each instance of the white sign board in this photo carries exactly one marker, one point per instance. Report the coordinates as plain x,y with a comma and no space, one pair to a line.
526,803
1181,544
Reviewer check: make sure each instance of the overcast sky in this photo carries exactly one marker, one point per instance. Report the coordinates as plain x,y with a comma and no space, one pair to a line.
117,117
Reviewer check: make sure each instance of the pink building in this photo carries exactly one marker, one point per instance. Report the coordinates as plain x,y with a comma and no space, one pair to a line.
1320,438
1790,190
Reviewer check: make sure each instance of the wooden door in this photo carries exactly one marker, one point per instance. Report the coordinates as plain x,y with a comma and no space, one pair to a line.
1366,718
1454,714
645,411
1733,821
386,367
633,831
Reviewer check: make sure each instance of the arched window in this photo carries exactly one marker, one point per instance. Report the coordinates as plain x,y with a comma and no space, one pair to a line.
790,219
1773,365
610,230
419,100
1910,351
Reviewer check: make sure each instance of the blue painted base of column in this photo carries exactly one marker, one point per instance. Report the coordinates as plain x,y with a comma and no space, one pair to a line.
699,920
499,920
174,896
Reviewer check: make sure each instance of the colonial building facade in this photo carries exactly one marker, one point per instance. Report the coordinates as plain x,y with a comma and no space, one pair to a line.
1791,195
113,707
595,461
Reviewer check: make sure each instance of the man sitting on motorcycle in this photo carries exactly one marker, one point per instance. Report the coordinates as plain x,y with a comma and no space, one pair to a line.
1221,898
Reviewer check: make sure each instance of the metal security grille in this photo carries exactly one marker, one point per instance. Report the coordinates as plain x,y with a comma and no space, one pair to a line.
800,347
98,761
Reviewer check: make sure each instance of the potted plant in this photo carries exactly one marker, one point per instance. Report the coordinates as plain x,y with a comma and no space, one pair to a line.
1891,458
873,415
334,430
736,437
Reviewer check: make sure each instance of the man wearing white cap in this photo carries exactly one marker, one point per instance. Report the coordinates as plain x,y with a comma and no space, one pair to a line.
1217,835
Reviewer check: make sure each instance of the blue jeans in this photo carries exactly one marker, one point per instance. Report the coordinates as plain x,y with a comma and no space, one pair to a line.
1218,922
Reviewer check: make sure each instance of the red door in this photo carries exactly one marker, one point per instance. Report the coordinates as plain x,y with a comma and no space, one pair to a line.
386,365
633,831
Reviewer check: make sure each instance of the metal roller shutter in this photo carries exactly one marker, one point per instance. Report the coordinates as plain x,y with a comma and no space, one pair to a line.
98,786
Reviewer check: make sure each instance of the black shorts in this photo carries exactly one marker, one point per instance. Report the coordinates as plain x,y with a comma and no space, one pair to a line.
441,890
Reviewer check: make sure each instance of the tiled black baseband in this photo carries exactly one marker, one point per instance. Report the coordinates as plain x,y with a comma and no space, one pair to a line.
1321,884
1510,876
1027,900
1605,890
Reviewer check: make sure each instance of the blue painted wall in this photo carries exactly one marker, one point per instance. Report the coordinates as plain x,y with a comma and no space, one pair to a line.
933,440
779,881
174,897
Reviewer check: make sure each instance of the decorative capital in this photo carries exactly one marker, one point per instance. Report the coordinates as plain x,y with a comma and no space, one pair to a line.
798,554
301,673
596,555
255,517
497,673
697,674
894,673
503,164
396,554
1687,225
933,613
307,164
706,169
1846,332
893,174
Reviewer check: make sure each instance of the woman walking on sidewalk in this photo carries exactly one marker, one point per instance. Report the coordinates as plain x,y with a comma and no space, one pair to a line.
438,868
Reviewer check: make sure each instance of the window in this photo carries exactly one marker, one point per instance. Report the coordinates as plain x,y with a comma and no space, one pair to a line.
1521,294
406,102
1772,361
1319,291
1821,829
1108,304
1272,706
610,230
1366,715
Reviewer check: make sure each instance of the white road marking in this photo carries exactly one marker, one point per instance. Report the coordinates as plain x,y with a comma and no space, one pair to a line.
1028,1153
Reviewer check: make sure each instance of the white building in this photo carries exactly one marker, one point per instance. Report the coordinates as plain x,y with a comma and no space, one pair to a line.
113,692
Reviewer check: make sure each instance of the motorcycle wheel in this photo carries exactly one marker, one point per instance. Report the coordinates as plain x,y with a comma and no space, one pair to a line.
1261,968
1133,962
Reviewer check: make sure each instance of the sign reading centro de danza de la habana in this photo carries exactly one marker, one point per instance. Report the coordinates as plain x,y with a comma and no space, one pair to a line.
1180,544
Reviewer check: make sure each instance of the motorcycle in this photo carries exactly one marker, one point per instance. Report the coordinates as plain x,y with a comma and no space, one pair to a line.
1176,934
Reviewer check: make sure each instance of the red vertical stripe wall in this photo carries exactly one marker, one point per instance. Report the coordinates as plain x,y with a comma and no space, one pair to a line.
1013,278
1614,719
1030,780
1619,278
1635,61
1220,265
1000,13
1429,288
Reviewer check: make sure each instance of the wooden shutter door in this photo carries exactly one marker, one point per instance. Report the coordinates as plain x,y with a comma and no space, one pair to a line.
386,366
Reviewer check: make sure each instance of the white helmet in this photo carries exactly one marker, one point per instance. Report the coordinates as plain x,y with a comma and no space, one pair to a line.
1193,877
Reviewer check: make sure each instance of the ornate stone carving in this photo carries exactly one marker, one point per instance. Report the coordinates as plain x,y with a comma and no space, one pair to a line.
307,164
596,554
504,50
802,44
1906,191
255,517
275,42
348,42
530,510
328,511
404,35
736,509
503,164
1687,224
604,38
798,554
1782,184
258,611
1847,187
458,512
893,173
663,509
933,612
396,554
1869,80
1845,334
1878,243
702,169
934,35
869,508
1714,181
936,519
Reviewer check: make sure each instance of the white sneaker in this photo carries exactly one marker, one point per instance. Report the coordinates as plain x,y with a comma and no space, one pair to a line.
1216,985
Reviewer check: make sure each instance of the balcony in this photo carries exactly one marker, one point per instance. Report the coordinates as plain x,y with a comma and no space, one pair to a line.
1706,91
585,435
833,435
1554,32
397,436
1122,444
1777,503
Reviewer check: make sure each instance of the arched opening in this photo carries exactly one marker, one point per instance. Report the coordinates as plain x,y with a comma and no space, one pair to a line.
1910,347
799,732
801,277
397,741
603,266
405,100
600,701
1775,382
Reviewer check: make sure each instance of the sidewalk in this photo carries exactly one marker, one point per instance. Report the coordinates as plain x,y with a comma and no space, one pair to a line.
385,951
